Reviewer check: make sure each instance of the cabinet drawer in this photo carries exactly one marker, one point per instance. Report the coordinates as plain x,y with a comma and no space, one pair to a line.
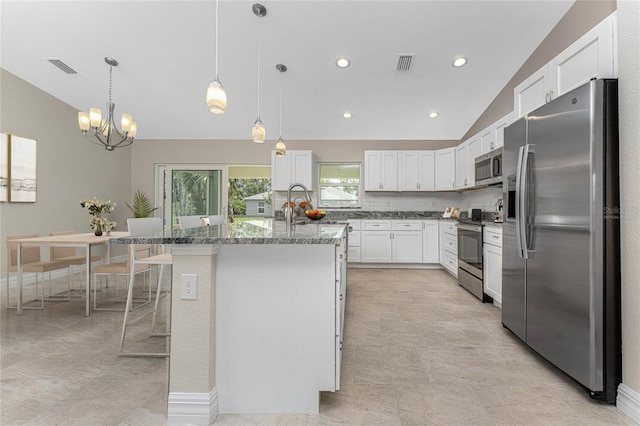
451,244
376,225
354,255
451,228
354,238
406,225
493,236
450,262
355,225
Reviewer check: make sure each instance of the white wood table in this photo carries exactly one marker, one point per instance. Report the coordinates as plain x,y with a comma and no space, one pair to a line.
88,241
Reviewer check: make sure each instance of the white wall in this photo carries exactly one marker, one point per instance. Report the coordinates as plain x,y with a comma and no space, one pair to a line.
629,103
69,168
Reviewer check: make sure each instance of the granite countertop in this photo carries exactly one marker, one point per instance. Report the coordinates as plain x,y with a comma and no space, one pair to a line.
264,231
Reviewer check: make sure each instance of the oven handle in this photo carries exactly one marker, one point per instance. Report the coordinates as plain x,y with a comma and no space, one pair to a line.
466,227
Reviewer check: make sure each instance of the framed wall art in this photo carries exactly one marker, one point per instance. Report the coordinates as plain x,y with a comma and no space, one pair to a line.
22,170
4,166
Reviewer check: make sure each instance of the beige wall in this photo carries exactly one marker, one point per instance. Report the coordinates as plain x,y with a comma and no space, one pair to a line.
69,168
579,19
629,101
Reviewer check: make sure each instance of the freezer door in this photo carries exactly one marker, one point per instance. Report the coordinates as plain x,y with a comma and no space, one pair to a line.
513,264
561,324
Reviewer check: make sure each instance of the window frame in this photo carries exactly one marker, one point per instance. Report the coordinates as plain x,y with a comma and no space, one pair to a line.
358,205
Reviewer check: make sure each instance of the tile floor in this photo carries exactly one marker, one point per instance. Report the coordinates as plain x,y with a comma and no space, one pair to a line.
418,350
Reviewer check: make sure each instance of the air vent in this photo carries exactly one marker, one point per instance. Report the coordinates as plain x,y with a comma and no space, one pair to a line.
404,61
64,67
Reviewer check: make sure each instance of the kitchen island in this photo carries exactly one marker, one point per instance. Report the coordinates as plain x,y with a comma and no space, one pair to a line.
264,334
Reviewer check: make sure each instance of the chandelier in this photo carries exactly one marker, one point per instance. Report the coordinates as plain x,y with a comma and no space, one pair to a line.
104,131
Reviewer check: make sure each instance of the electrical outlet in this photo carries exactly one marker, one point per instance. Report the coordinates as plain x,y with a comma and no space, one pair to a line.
189,287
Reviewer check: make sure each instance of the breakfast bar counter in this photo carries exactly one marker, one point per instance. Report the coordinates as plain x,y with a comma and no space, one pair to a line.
264,334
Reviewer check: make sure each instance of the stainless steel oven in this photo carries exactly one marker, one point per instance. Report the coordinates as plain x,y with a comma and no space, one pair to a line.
470,258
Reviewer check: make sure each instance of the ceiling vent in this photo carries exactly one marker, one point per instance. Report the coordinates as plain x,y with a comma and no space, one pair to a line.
404,61
64,67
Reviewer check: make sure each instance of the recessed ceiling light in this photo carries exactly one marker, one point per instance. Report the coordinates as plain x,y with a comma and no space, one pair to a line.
433,114
346,115
459,61
342,62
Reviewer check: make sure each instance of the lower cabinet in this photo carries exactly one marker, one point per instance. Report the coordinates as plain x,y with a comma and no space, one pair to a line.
449,246
354,254
430,241
387,241
492,263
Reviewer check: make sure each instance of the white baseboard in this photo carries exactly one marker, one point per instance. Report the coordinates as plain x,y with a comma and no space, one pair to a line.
193,408
628,401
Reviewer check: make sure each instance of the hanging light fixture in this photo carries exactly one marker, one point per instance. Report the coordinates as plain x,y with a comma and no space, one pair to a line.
216,95
105,131
258,132
281,148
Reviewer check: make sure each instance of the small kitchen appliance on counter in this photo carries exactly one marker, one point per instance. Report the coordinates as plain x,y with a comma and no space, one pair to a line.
498,212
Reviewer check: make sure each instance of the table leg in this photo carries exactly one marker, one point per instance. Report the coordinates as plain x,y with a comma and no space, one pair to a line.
88,290
19,309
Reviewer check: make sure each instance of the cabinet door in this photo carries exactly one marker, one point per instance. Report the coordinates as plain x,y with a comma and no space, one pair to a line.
409,171
373,170
389,170
461,165
473,150
493,272
592,56
430,246
487,140
376,247
532,93
301,168
499,129
445,169
406,246
280,172
426,161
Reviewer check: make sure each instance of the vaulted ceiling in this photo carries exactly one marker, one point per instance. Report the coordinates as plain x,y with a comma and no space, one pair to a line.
166,51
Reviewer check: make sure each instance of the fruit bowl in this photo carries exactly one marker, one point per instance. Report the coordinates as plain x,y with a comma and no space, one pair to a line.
315,214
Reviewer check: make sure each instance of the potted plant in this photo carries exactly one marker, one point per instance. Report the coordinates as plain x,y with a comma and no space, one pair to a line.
141,205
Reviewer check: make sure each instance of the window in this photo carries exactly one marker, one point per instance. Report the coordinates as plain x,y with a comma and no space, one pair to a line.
339,185
261,207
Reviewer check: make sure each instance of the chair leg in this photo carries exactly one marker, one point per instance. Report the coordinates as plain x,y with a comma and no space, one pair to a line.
127,307
155,308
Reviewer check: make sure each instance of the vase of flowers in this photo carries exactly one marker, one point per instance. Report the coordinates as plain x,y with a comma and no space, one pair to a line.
96,209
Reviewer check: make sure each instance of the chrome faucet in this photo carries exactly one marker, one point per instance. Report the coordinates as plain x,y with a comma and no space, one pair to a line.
290,212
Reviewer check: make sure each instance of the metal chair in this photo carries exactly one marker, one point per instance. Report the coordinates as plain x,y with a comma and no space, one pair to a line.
31,263
145,227
118,270
70,257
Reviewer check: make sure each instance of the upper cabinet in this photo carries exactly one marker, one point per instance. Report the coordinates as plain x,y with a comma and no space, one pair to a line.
416,171
445,169
298,166
466,154
381,170
592,56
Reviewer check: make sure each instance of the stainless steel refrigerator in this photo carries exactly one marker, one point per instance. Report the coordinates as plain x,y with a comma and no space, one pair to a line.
561,255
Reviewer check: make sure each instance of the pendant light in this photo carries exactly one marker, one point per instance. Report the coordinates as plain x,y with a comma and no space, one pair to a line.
216,95
258,132
281,148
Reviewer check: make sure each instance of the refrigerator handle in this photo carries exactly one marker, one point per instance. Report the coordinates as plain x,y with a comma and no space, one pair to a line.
526,209
518,203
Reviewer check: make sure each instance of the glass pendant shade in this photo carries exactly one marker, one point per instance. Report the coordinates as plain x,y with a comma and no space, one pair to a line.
126,122
83,121
258,132
134,129
281,148
216,97
95,116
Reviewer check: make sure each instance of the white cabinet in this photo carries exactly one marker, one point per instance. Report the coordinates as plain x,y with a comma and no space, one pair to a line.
381,170
592,56
466,154
340,303
445,169
430,241
355,242
387,241
416,170
492,263
493,136
449,246
298,166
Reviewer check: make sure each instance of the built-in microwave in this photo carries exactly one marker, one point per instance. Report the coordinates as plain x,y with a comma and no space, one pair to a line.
489,168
